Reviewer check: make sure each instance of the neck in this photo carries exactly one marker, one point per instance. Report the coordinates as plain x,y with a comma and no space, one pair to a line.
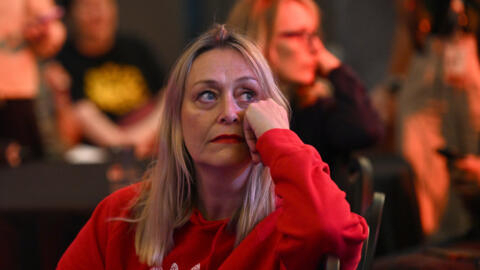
221,190
93,47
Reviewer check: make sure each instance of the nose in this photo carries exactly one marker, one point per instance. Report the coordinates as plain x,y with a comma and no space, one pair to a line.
230,111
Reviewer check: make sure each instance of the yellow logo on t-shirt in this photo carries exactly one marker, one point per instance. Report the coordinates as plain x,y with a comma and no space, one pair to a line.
115,88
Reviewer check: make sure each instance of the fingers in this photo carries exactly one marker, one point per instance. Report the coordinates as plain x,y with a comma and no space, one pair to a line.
57,77
36,32
260,117
265,115
251,140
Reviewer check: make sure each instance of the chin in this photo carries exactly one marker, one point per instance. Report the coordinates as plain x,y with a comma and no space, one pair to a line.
302,78
228,158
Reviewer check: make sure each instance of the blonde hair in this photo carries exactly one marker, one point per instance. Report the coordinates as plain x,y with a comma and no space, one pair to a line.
168,193
256,18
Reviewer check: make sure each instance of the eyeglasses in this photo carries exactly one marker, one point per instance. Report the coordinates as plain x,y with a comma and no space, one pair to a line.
302,36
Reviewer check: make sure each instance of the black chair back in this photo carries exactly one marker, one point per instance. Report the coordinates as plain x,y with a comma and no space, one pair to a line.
366,203
373,216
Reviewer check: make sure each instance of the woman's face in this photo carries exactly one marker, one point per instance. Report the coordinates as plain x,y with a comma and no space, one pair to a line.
218,89
294,44
95,19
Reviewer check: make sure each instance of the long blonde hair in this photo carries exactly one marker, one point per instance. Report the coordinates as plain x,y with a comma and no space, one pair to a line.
168,193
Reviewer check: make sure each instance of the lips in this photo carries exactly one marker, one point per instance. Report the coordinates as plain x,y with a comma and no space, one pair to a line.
228,138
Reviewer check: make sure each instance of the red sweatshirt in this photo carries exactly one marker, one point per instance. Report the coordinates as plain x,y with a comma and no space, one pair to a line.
312,219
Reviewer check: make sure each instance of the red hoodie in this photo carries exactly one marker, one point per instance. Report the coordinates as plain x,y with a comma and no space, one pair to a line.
313,219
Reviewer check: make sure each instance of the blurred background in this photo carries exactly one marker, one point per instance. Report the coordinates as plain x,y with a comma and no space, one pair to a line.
360,33
417,73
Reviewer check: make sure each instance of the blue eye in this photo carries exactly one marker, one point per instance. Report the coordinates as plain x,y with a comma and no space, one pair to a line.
248,96
207,96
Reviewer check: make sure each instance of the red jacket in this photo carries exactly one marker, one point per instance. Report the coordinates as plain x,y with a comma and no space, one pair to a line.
312,219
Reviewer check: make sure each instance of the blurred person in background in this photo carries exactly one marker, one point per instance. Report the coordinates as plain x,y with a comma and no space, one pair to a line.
106,86
331,109
438,117
29,31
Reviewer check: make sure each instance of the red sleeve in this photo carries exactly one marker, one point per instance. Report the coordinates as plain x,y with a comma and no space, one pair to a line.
88,249
316,219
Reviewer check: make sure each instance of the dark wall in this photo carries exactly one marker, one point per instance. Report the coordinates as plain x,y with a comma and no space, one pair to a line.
161,23
364,30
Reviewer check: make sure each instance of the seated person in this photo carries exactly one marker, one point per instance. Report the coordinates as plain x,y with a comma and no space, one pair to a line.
438,110
29,31
105,84
335,117
233,187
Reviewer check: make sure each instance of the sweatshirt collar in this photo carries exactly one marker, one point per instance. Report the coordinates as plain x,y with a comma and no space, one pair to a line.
198,219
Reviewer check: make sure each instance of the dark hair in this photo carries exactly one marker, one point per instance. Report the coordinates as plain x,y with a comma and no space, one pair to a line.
445,21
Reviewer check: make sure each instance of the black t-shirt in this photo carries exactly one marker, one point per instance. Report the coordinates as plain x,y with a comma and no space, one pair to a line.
118,82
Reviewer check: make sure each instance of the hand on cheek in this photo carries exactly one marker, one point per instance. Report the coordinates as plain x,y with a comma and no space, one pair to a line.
326,61
259,118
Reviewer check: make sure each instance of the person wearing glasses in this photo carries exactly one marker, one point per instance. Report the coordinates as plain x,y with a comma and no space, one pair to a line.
331,109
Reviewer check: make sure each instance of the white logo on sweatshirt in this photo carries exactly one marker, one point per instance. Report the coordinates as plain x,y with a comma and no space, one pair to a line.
174,266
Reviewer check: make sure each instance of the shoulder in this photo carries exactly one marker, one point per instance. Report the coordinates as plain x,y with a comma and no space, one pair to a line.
118,203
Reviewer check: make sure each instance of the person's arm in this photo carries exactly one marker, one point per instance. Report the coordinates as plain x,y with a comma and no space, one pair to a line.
471,165
59,82
316,219
142,124
87,251
144,133
352,121
99,243
97,127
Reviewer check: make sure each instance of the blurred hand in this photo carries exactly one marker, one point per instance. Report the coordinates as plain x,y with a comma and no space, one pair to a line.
471,165
259,118
41,39
326,60
12,154
309,94
145,148
35,32
58,80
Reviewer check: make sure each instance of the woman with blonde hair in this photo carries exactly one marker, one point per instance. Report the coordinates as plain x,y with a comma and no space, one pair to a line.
233,187
331,108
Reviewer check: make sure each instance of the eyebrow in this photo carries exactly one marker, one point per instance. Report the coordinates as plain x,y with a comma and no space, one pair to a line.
208,82
215,83
246,78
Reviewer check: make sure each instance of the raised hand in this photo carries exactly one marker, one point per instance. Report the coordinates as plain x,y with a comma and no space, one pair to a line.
326,61
259,118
